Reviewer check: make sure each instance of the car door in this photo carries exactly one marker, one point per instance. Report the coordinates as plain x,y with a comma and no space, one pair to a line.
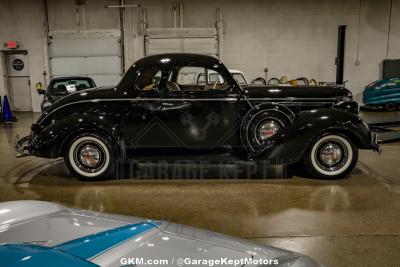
200,114
139,129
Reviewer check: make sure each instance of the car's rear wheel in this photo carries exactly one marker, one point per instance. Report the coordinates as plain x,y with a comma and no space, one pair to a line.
332,156
390,107
90,157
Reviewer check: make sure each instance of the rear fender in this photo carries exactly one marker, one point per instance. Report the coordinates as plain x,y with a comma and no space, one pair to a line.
52,140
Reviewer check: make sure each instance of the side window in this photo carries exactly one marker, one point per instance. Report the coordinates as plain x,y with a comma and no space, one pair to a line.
190,75
198,79
148,79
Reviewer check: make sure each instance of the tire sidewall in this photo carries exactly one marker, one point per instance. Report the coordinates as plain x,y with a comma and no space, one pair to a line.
106,145
317,172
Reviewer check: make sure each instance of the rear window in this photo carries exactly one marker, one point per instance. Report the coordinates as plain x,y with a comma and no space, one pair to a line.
70,86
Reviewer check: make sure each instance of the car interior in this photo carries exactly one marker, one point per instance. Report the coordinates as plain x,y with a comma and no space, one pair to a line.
187,78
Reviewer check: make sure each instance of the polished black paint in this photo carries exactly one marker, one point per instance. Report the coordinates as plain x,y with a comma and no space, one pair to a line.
177,123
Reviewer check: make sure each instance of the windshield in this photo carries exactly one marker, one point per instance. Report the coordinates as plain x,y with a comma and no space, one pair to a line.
66,86
239,78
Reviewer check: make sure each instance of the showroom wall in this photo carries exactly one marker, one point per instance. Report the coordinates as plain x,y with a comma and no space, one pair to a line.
292,38
23,21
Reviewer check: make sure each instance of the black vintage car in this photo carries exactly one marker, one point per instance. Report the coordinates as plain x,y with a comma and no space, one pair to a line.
160,110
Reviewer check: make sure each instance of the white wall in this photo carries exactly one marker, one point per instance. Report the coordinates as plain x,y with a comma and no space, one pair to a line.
25,19
289,37
295,38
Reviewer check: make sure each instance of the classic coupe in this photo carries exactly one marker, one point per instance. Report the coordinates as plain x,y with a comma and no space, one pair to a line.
53,235
159,110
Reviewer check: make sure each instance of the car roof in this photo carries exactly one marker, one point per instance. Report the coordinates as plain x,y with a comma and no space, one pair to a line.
177,58
235,71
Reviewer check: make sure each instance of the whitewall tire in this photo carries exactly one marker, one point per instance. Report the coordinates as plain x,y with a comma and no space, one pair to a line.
90,157
331,156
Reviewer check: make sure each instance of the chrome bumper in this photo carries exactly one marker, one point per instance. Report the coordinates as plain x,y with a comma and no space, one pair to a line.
374,144
23,146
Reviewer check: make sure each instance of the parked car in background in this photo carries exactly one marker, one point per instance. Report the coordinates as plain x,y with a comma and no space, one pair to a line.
62,86
36,233
239,77
383,93
176,117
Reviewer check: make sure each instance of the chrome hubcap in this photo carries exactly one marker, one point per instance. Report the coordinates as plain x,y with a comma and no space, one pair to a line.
331,155
268,129
89,156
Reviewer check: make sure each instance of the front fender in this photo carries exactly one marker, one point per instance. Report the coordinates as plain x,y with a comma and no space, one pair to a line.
290,146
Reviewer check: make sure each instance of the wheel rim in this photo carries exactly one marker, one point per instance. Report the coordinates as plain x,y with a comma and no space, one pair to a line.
332,155
89,156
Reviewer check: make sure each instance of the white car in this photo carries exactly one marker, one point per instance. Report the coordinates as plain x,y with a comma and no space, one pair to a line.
35,233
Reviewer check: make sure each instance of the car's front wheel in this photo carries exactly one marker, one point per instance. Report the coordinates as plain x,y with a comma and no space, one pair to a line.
90,157
331,156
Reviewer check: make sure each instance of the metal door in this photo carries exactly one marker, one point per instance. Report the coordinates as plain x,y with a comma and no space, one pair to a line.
18,82
98,58
181,40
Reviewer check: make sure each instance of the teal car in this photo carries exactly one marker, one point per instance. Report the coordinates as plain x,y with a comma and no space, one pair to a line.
383,93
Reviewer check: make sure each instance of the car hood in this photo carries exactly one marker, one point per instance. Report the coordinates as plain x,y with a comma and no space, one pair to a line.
257,251
84,234
267,91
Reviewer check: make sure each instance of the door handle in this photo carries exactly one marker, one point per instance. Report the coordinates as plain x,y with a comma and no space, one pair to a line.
151,106
165,106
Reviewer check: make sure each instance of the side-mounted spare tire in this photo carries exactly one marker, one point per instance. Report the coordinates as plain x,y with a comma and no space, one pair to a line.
90,157
261,123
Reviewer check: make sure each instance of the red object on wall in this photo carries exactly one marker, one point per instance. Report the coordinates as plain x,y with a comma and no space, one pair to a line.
12,45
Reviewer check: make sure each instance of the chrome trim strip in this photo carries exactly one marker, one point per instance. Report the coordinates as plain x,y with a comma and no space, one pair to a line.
293,101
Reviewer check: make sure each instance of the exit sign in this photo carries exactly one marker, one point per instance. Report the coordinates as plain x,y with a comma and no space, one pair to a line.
12,45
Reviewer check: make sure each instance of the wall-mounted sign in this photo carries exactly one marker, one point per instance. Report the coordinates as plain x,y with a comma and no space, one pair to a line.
12,45
18,64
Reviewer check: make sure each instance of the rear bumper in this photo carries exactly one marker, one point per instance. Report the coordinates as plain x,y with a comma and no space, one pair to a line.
23,146
374,144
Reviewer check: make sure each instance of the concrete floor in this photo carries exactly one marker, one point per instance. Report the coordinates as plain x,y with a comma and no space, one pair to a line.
349,222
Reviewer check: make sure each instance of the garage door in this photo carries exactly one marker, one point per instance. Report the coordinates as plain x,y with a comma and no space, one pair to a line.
181,40
98,58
